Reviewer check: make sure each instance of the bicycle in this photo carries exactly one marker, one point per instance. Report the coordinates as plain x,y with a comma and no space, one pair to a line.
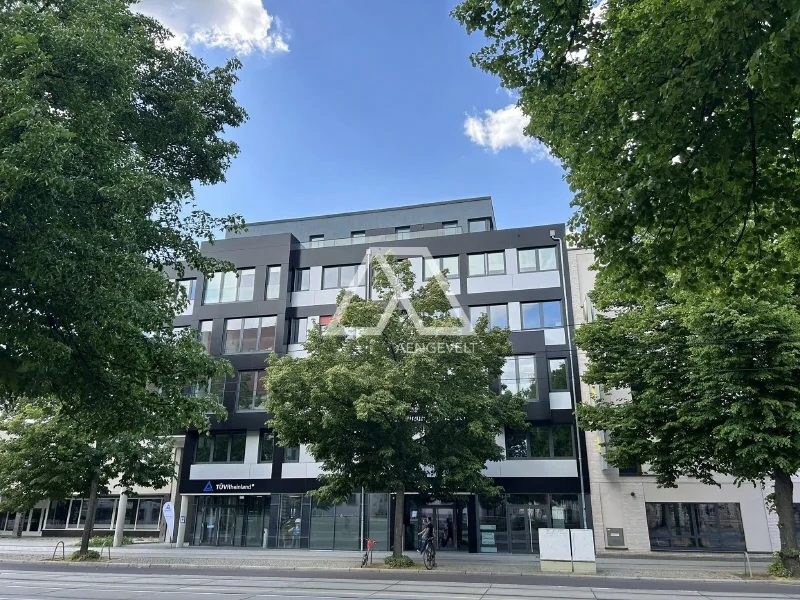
429,556
368,553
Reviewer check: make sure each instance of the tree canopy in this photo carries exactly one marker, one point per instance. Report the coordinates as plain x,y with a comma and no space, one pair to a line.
676,121
714,387
104,130
399,410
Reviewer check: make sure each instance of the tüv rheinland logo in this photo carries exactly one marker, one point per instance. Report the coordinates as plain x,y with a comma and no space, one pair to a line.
400,297
209,487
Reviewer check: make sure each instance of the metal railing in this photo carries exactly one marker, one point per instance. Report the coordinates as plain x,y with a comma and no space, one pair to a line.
105,545
377,239
63,551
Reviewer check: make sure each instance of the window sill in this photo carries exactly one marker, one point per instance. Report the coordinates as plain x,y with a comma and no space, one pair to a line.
487,275
229,302
231,462
536,270
250,410
246,353
536,458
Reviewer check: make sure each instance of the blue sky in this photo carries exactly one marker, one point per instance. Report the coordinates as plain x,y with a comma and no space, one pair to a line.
363,104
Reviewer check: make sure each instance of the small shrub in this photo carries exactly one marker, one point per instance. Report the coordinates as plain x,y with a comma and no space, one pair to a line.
90,555
404,562
108,540
777,568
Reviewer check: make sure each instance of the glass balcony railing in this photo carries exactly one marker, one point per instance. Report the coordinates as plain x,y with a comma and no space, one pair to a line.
377,239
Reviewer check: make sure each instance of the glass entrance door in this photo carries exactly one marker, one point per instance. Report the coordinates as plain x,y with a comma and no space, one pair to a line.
524,522
227,521
444,526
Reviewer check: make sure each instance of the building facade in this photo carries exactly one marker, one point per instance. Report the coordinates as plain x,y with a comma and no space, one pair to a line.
630,512
239,487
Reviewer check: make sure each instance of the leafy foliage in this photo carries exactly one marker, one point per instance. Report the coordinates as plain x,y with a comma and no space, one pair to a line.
90,555
402,562
104,130
400,410
108,540
714,385
676,122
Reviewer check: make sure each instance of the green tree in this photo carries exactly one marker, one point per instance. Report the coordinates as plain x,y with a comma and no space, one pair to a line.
398,411
714,386
104,129
47,455
676,122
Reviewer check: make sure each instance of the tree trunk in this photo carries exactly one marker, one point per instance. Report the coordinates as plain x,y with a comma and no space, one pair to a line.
785,509
88,525
399,511
18,518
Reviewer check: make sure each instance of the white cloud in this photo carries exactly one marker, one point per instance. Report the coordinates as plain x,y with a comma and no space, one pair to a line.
504,128
239,25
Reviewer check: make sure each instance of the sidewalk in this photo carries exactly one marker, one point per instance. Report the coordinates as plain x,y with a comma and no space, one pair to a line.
652,566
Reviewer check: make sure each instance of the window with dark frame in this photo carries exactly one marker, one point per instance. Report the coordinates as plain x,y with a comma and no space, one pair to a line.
251,391
224,287
316,241
487,263
301,280
519,373
540,442
220,448
432,266
189,288
342,276
273,283
214,387
204,334
541,315
695,526
479,225
298,331
450,227
536,259
558,375
291,454
250,334
497,314
266,452
402,233
358,237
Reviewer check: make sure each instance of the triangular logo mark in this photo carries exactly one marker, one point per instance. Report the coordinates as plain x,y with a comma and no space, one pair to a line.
209,487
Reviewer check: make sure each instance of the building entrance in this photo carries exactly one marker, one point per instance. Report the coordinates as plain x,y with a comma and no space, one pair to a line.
444,525
230,520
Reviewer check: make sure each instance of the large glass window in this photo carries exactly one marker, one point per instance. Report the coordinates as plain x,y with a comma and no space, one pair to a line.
550,441
478,225
450,227
536,259
251,391
252,334
358,237
497,313
273,282
488,263
433,266
558,375
267,450
149,514
292,531
57,515
220,447
689,526
206,328
342,276
519,374
104,513
230,287
316,241
541,315
298,331
291,454
301,280
188,286
402,233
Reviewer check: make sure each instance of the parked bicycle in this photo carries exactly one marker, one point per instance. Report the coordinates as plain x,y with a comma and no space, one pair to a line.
368,553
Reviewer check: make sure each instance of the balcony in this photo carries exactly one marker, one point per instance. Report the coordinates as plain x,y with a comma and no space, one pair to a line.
377,239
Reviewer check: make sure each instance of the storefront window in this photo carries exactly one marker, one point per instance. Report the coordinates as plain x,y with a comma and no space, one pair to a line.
104,513
149,514
9,523
378,523
703,526
57,515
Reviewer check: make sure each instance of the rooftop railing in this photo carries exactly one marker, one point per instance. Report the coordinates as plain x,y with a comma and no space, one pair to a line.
377,239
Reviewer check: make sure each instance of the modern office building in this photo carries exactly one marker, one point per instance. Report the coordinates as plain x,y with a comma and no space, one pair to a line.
239,487
632,513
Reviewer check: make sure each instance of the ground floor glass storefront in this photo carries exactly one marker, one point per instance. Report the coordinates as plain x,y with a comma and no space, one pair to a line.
289,521
510,523
711,527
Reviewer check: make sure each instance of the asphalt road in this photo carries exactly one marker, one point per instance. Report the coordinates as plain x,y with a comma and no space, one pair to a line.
39,582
